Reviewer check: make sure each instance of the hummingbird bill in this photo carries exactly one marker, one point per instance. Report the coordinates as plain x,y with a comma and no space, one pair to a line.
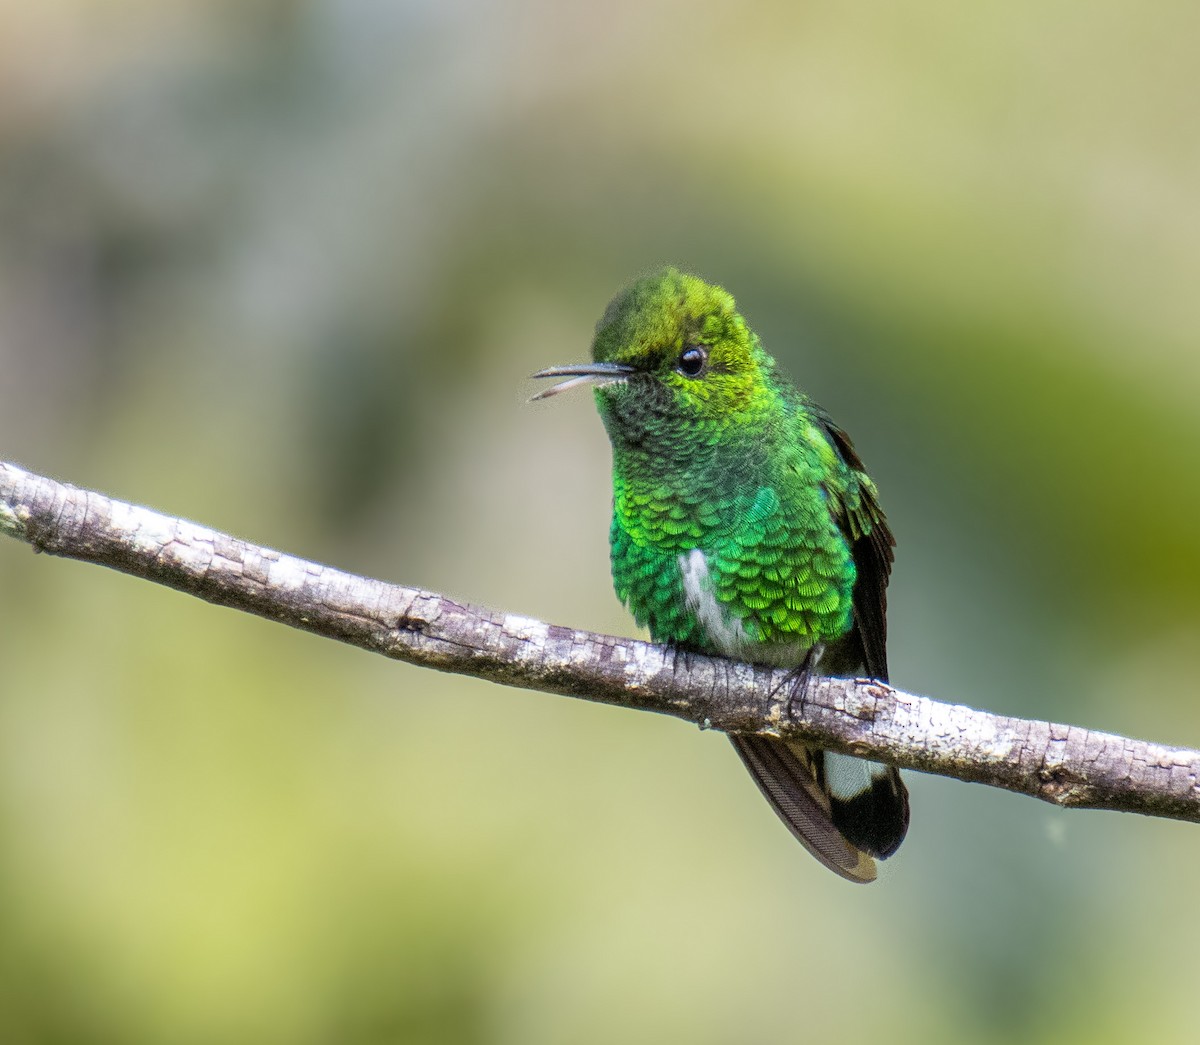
745,525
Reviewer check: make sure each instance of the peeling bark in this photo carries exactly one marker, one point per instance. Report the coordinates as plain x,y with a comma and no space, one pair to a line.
1065,765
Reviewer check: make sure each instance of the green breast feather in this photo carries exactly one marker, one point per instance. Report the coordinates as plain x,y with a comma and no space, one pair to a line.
775,559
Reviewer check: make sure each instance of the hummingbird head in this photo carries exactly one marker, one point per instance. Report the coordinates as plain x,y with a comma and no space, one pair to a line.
676,368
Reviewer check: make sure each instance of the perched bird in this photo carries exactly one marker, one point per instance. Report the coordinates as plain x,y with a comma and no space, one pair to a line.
744,525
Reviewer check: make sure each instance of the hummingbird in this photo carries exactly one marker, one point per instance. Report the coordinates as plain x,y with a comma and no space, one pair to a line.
745,525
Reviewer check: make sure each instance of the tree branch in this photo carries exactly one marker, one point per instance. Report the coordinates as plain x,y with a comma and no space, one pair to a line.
1065,765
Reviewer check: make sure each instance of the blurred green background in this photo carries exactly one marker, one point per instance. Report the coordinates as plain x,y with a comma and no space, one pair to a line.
283,267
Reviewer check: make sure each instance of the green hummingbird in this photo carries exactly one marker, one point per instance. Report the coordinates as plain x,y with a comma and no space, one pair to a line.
745,525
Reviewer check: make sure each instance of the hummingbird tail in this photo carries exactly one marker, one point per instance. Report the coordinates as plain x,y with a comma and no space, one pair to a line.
869,802
845,815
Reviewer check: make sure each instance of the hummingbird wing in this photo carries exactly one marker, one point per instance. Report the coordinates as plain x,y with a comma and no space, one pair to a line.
869,800
861,519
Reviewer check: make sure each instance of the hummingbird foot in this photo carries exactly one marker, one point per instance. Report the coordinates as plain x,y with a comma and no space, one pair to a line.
680,652
797,681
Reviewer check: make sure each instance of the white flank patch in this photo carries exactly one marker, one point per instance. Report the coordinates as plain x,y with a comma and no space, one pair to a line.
727,635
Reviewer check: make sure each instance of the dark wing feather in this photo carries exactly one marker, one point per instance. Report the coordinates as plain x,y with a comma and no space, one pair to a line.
876,818
871,545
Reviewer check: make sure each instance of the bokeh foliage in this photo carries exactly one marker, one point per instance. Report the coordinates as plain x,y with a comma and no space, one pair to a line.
283,267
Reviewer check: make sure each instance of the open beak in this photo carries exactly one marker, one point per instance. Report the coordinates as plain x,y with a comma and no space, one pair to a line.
595,374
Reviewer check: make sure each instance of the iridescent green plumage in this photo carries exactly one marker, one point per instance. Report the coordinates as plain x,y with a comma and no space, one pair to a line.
744,524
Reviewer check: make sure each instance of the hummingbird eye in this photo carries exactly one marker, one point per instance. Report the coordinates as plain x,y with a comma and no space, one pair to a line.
693,360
